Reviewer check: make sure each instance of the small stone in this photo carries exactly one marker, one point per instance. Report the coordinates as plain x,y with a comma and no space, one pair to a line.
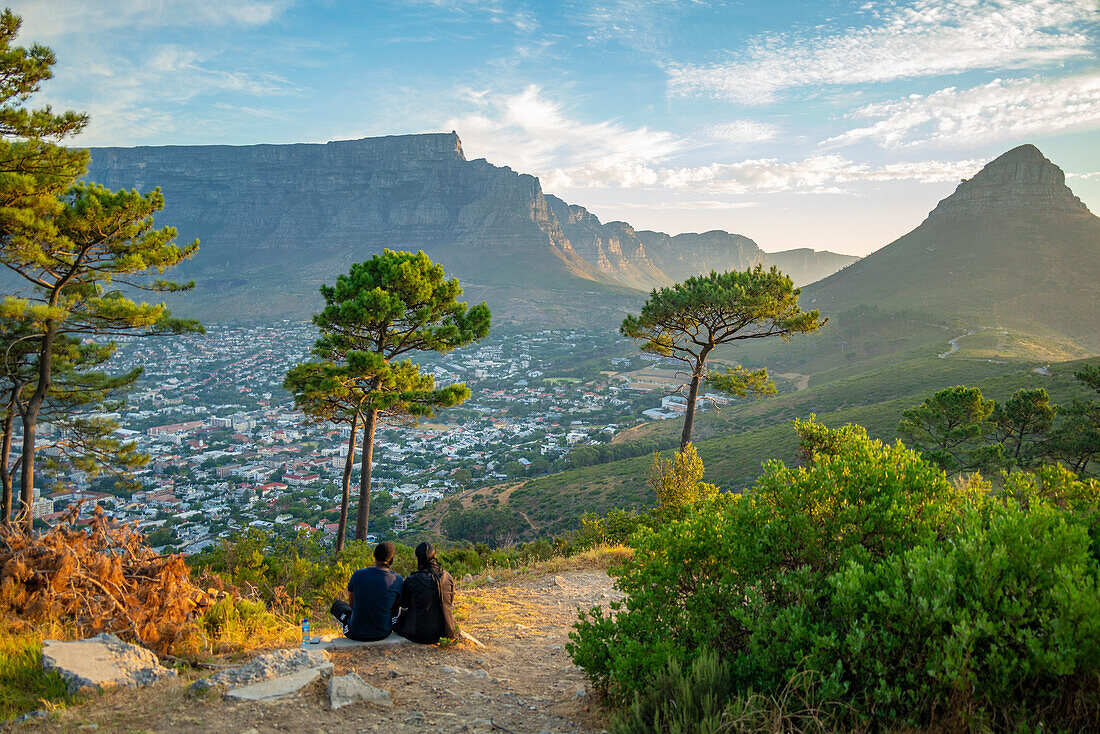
276,688
467,579
452,670
581,692
490,580
560,582
252,730
415,719
344,690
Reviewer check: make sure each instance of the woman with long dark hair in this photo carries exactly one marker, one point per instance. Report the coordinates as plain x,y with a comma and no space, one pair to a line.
428,596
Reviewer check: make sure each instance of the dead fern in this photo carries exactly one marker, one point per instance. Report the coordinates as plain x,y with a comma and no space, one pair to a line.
101,578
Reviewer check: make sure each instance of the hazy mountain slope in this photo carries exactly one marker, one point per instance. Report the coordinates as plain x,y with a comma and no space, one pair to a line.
647,259
1012,248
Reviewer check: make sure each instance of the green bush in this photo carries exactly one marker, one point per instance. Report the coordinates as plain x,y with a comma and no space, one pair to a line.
770,549
866,587
999,626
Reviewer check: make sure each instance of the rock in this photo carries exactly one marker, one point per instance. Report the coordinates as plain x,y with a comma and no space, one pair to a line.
560,582
343,643
415,719
490,580
481,726
276,688
581,692
483,674
102,662
267,666
344,690
252,730
467,579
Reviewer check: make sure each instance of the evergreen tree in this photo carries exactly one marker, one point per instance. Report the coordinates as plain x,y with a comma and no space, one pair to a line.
391,305
688,321
1076,440
98,239
68,243
1021,425
951,429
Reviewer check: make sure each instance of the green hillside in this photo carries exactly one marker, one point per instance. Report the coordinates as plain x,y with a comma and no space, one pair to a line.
735,443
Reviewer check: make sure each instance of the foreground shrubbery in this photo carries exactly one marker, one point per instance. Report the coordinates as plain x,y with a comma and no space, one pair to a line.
861,592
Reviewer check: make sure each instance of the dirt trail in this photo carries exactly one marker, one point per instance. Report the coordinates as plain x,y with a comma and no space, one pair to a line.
521,682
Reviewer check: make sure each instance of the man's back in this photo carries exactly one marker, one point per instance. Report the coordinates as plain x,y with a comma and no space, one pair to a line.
374,593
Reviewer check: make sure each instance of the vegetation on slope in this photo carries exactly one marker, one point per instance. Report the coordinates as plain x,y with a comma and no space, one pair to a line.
861,592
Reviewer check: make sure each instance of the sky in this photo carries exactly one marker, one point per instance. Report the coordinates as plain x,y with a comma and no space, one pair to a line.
826,124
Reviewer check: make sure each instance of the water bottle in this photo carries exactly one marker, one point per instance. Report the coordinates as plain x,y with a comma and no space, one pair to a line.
305,631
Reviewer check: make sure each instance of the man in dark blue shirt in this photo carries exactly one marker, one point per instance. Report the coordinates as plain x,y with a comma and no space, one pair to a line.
373,594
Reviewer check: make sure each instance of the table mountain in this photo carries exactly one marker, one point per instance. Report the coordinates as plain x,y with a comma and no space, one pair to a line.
276,221
1013,248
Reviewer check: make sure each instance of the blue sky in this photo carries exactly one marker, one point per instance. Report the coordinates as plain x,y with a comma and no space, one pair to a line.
833,125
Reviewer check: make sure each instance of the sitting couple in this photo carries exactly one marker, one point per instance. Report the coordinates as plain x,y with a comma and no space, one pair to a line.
418,608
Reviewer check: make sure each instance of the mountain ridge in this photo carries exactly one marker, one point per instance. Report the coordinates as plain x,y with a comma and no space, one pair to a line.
276,221
1012,248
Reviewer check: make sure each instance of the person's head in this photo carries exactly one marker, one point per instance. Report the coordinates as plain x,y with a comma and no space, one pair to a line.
384,553
425,555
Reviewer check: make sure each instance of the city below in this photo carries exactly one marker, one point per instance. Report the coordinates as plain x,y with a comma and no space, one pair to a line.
228,451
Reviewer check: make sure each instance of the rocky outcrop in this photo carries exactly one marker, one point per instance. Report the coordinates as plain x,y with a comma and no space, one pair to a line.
1021,179
269,666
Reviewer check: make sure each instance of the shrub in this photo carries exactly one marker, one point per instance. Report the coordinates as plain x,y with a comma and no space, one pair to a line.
1000,626
861,592
677,481
733,567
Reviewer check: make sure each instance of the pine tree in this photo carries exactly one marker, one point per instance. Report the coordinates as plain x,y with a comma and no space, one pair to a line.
393,304
688,321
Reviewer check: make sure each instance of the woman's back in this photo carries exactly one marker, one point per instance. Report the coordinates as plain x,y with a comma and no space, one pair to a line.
428,596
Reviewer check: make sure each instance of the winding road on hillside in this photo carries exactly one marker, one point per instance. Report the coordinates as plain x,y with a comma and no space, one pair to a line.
954,343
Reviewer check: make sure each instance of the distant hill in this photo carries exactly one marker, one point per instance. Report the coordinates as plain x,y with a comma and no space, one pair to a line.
646,259
276,221
1012,248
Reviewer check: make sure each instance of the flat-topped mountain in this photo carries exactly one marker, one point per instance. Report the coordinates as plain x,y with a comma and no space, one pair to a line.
276,221
1012,248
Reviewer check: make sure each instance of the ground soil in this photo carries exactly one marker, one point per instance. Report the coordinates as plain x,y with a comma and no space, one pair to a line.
529,685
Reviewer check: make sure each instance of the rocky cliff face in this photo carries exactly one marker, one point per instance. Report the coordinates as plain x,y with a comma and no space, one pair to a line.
276,221
1021,179
352,197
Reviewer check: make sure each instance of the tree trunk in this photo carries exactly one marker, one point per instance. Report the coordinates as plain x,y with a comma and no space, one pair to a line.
370,420
349,463
5,457
689,416
29,414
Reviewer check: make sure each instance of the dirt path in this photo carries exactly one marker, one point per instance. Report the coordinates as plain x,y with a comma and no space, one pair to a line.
954,345
801,382
522,681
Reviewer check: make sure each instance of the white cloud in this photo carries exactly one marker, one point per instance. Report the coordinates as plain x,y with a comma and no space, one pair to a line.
924,38
821,174
45,20
743,131
995,111
136,102
533,134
